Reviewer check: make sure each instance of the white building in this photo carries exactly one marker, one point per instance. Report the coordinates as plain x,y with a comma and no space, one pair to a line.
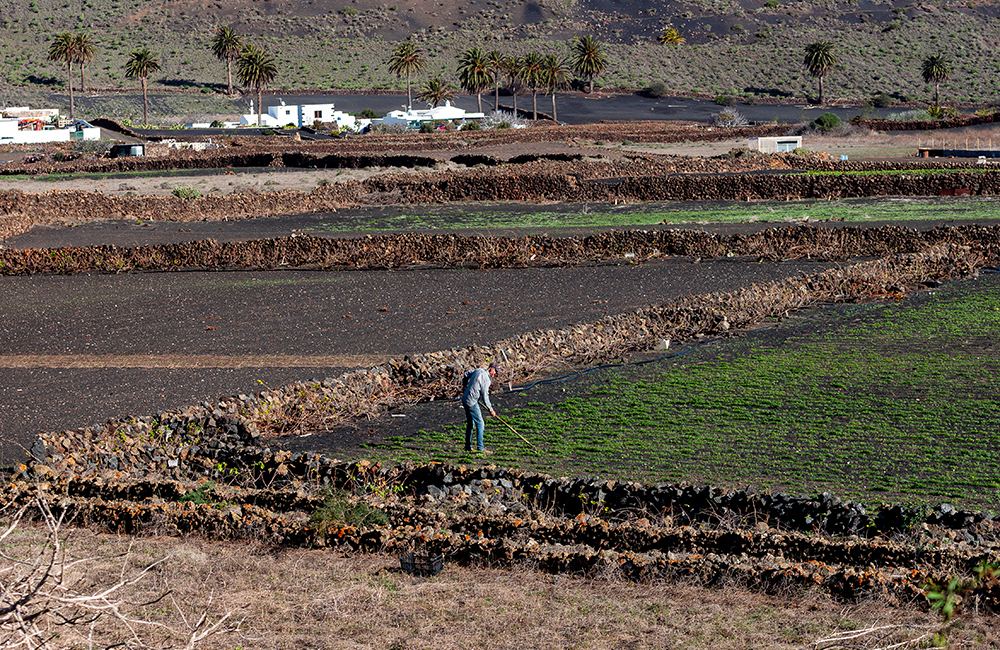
414,118
25,126
282,115
783,144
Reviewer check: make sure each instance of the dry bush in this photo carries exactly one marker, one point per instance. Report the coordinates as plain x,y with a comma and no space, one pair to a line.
51,598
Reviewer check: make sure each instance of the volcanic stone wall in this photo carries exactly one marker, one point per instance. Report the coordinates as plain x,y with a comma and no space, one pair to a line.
486,185
508,518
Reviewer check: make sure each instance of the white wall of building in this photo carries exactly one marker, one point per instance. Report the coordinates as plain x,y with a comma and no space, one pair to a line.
10,134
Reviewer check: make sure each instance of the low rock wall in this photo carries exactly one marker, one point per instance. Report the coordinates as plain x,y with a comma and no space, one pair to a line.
490,185
493,515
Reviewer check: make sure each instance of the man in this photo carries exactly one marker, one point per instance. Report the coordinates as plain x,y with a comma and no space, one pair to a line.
477,388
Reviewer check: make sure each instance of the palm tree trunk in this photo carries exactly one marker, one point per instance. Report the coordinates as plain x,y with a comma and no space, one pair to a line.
534,104
145,104
83,81
409,99
229,74
479,100
496,99
259,106
514,95
554,117
937,96
69,78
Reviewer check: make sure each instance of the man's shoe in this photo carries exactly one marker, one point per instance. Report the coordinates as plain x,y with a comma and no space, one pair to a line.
486,451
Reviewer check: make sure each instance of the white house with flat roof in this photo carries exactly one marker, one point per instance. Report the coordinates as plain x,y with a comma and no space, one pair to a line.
414,118
300,115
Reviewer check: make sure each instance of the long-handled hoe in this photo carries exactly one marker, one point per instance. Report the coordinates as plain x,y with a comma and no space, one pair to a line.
507,424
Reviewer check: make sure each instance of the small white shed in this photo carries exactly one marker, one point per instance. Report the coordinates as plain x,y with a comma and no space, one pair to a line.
782,144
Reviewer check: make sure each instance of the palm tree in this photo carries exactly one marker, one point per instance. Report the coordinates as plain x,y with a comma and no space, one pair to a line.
588,60
935,69
819,60
141,64
512,68
256,69
436,91
671,36
63,50
85,51
556,72
533,74
495,61
227,46
407,59
474,73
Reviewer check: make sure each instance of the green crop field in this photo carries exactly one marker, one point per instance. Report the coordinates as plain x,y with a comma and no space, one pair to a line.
891,402
647,214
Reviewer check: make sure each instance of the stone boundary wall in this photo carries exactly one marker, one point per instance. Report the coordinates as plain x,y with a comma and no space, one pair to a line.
475,527
928,124
394,251
487,185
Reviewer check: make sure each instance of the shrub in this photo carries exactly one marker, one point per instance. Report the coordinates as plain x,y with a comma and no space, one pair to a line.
935,113
367,113
915,115
186,193
199,496
729,117
217,124
882,100
349,11
503,120
772,4
826,122
725,100
471,126
655,89
338,509
93,147
428,127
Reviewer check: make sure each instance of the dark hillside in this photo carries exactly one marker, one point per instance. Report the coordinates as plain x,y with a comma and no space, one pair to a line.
747,48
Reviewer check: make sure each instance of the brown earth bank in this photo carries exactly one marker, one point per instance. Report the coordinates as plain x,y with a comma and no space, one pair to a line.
417,250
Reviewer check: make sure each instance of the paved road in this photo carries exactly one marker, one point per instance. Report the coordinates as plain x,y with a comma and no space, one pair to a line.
77,350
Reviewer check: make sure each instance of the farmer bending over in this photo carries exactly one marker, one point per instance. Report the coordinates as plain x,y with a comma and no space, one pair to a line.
477,388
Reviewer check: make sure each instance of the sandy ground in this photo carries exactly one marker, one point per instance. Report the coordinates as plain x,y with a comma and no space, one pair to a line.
206,181
903,144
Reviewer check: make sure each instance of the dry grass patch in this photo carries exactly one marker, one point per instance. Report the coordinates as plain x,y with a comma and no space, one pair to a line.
295,598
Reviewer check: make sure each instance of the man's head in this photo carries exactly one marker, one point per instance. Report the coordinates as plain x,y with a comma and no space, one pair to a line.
493,368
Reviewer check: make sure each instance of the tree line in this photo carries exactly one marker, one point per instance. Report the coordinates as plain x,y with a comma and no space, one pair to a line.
478,71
